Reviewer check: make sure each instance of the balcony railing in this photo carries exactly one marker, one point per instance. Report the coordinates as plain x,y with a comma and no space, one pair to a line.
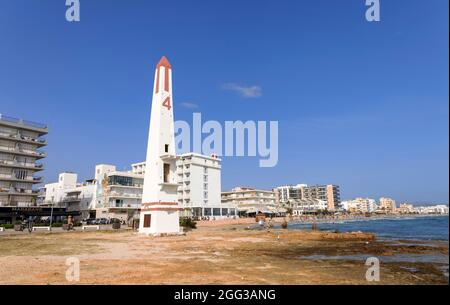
17,204
22,164
17,191
27,179
36,153
22,138
9,119
124,195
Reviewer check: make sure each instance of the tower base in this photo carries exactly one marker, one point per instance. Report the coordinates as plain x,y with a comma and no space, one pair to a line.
159,219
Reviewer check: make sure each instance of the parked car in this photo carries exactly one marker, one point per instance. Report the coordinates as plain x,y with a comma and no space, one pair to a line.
103,221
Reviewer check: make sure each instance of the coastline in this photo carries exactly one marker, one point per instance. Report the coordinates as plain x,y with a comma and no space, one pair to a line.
310,220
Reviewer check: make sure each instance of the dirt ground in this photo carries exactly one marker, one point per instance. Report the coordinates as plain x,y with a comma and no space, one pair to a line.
211,255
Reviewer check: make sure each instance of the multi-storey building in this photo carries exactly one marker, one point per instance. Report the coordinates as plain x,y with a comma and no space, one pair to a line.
405,208
69,194
112,194
118,194
290,193
360,205
199,191
20,144
251,201
387,205
308,206
328,193
434,209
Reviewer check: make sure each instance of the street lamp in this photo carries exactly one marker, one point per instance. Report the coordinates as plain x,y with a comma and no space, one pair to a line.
51,215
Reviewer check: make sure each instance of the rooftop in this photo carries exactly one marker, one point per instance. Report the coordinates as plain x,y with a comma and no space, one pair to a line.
23,124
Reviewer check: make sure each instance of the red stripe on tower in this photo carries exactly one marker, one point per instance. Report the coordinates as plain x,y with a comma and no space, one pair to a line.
166,64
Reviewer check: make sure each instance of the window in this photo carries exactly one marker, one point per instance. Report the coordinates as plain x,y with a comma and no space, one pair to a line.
120,180
166,172
166,148
147,220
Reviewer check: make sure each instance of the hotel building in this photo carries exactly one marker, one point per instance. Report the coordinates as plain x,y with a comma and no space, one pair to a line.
308,206
118,194
69,194
20,144
387,205
360,205
294,194
251,201
405,208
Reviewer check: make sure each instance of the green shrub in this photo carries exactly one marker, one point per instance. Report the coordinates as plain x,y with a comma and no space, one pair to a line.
7,226
187,222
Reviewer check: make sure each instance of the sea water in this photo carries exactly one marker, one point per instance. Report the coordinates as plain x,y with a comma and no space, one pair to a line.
401,228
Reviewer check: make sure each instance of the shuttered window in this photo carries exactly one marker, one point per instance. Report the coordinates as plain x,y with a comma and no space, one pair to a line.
147,220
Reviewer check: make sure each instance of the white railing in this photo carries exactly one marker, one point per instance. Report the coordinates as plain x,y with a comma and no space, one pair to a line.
22,122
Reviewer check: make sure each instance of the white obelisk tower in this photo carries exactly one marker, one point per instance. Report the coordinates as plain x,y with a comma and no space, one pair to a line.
159,209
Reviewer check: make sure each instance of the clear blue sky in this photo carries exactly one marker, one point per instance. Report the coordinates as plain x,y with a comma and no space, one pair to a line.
363,105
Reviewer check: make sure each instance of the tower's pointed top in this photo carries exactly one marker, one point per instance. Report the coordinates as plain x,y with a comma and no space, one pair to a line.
164,63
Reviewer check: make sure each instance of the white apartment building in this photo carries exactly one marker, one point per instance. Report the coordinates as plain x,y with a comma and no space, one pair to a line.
291,193
199,191
307,206
112,194
434,209
360,205
20,144
68,193
118,194
251,201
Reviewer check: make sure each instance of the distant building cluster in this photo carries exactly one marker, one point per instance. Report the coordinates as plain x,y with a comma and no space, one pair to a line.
389,206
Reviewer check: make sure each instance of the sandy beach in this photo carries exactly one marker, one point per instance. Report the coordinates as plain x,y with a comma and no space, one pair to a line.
221,252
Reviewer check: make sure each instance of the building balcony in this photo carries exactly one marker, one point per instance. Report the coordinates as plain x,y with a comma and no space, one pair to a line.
22,139
17,204
168,157
169,184
22,152
34,180
135,186
28,166
71,199
124,195
123,206
18,192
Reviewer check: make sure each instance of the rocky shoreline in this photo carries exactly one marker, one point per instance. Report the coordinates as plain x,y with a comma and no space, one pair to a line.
227,254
